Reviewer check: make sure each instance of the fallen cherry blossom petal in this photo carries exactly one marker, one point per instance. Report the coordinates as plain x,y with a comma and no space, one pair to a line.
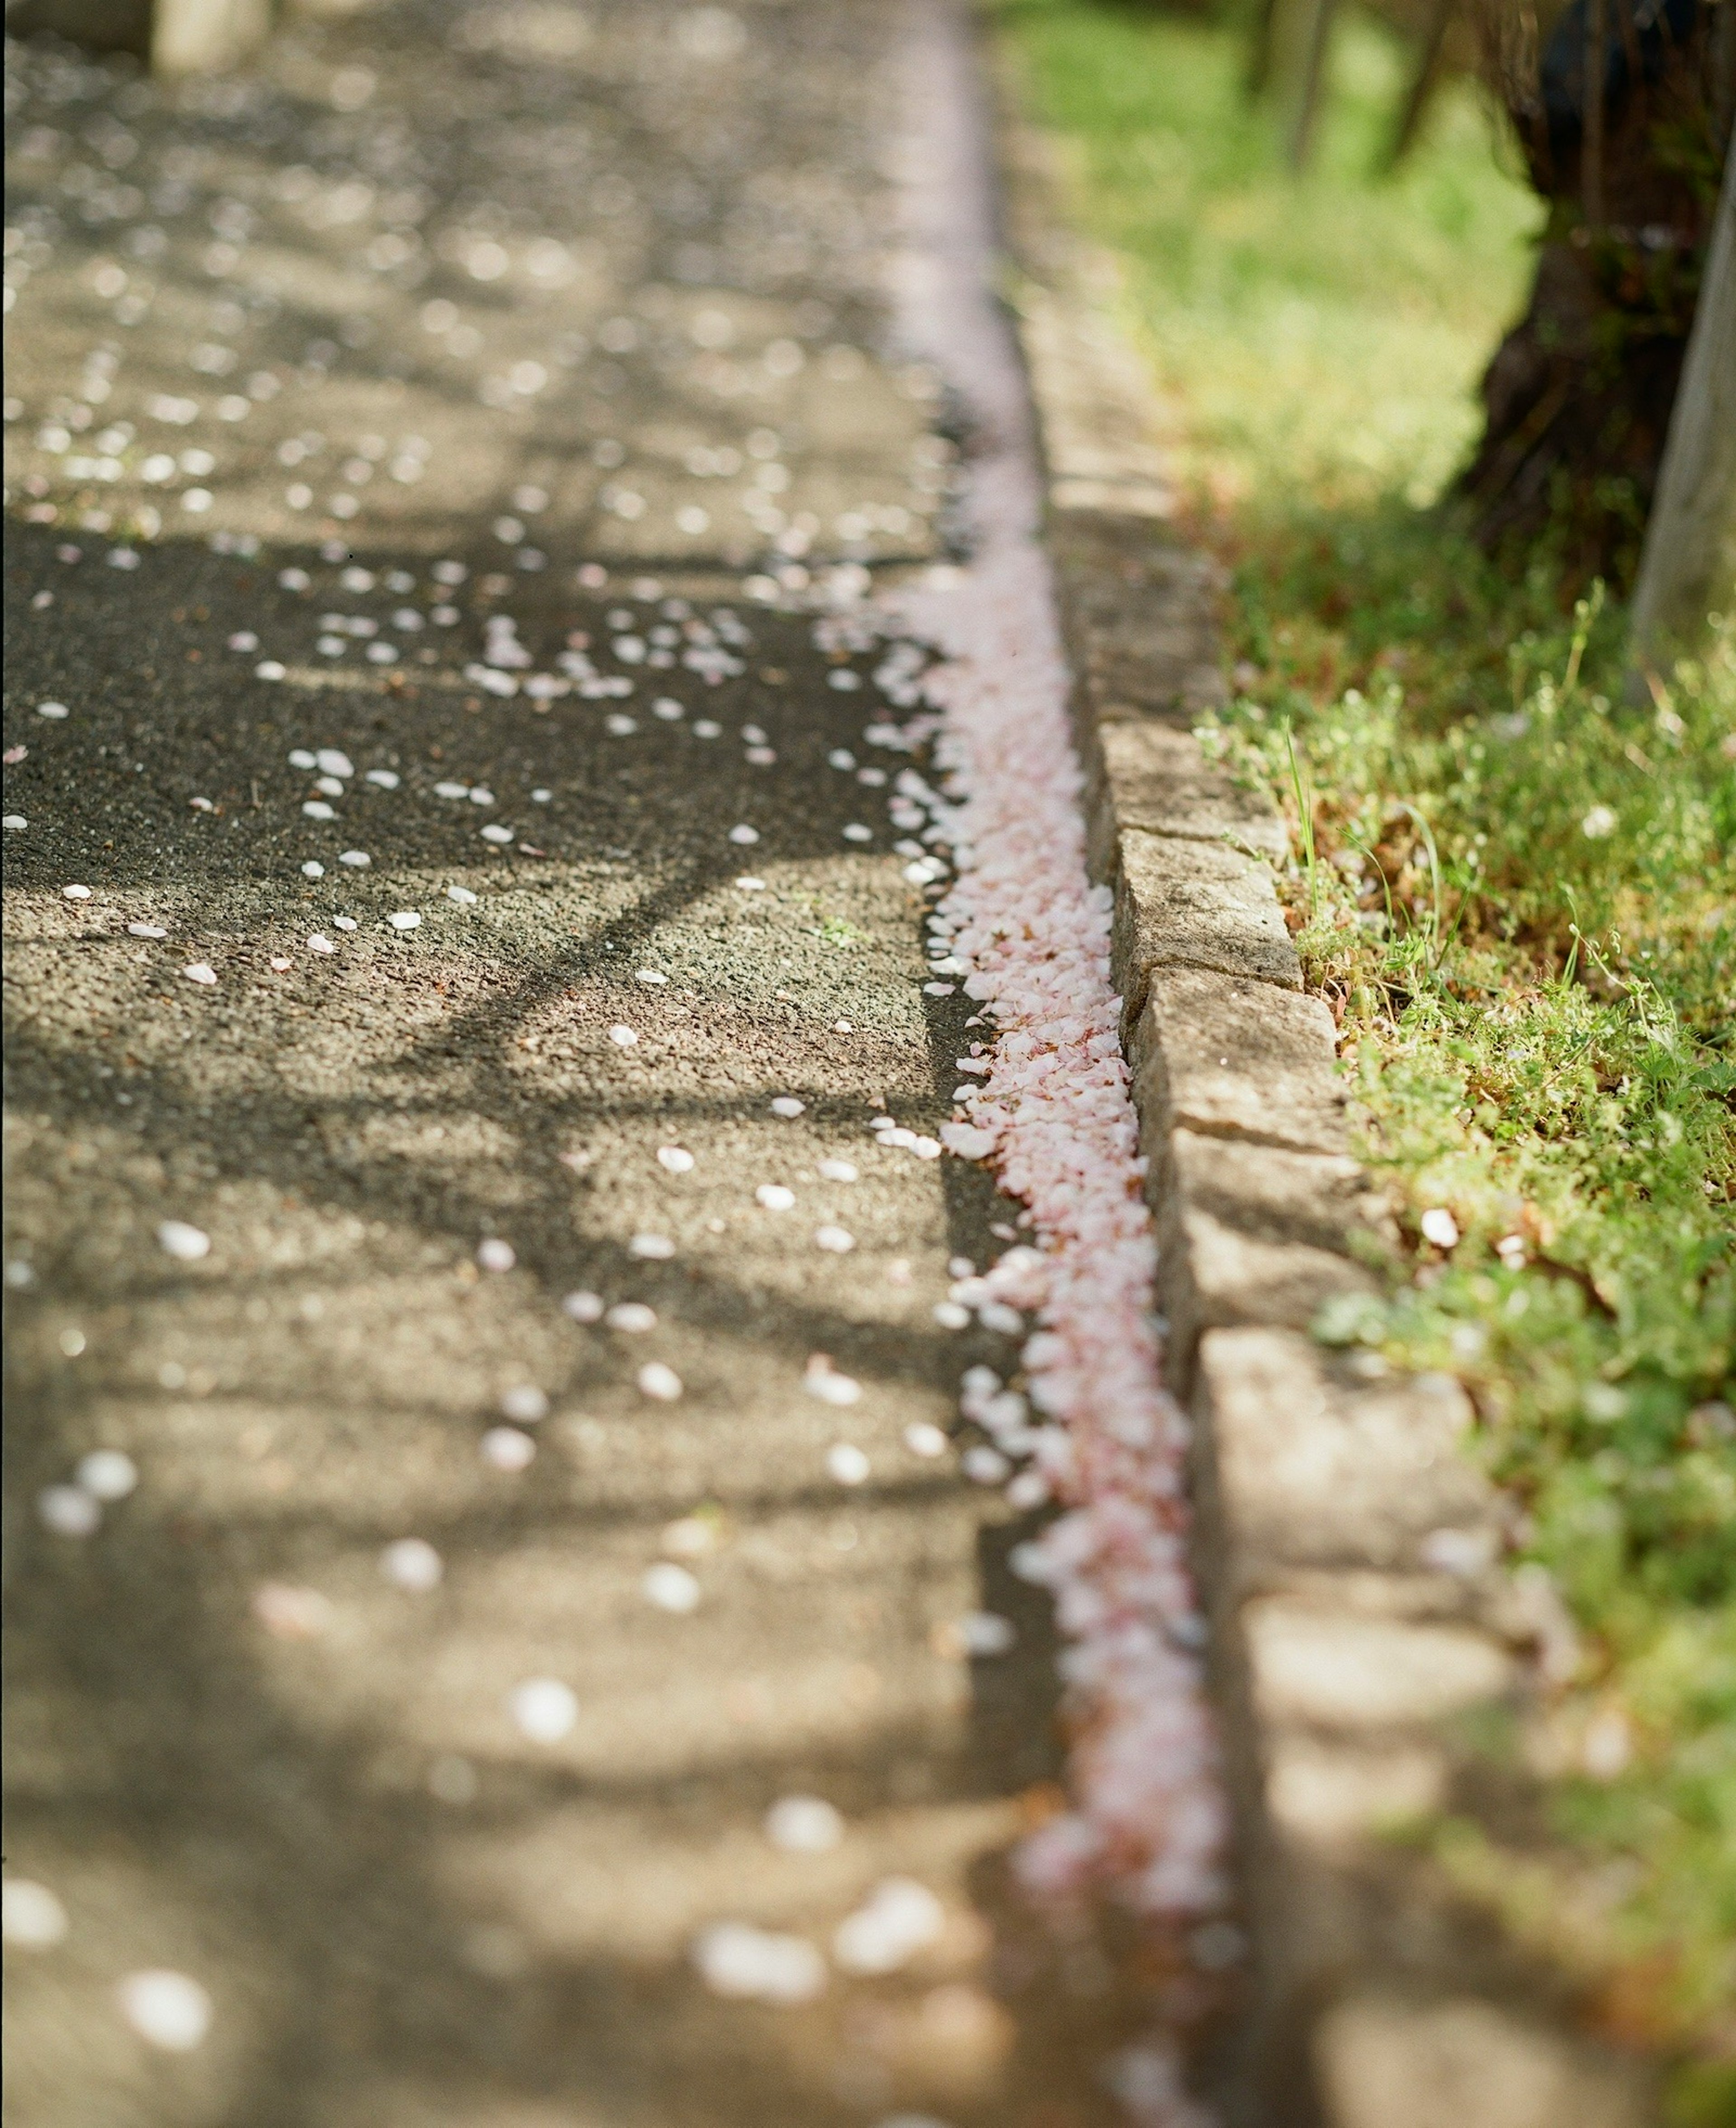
507,1449
803,1825
847,1463
543,1708
167,2010
411,1563
751,1964
899,1918
671,1588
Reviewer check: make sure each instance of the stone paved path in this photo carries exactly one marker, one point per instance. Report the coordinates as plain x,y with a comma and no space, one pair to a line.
418,452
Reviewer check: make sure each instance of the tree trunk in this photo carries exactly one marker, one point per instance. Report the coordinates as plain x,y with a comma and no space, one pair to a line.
1578,398
1690,559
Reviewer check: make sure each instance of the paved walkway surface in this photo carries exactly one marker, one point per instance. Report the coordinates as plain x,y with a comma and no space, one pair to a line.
409,447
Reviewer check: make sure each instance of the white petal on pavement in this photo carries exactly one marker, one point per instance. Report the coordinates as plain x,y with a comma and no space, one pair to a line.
31,1917
68,1511
803,1825
166,2009
821,1379
847,1463
986,1465
660,1381
185,1242
506,1449
752,1964
107,1474
899,1918
544,1709
671,1588
412,1564
524,1403
288,1612
986,1633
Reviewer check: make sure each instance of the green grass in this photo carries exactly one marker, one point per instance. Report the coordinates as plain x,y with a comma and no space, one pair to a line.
1515,890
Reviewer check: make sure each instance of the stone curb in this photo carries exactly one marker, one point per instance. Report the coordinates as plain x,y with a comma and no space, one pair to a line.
1345,1548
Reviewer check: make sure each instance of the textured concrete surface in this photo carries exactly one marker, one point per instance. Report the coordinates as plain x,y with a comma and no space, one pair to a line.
462,314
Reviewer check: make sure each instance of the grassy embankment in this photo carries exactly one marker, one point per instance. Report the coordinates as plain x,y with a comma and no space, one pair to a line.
1516,894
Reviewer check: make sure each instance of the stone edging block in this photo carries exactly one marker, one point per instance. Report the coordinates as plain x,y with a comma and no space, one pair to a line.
1346,1548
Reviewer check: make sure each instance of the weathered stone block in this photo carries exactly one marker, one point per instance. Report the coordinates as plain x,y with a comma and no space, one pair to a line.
1335,1670
1383,2058
1331,1794
1313,1468
1229,1278
1139,614
1224,1277
1160,781
1189,905
1226,1058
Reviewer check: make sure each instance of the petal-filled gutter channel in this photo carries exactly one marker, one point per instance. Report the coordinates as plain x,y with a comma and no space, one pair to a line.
1047,1102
